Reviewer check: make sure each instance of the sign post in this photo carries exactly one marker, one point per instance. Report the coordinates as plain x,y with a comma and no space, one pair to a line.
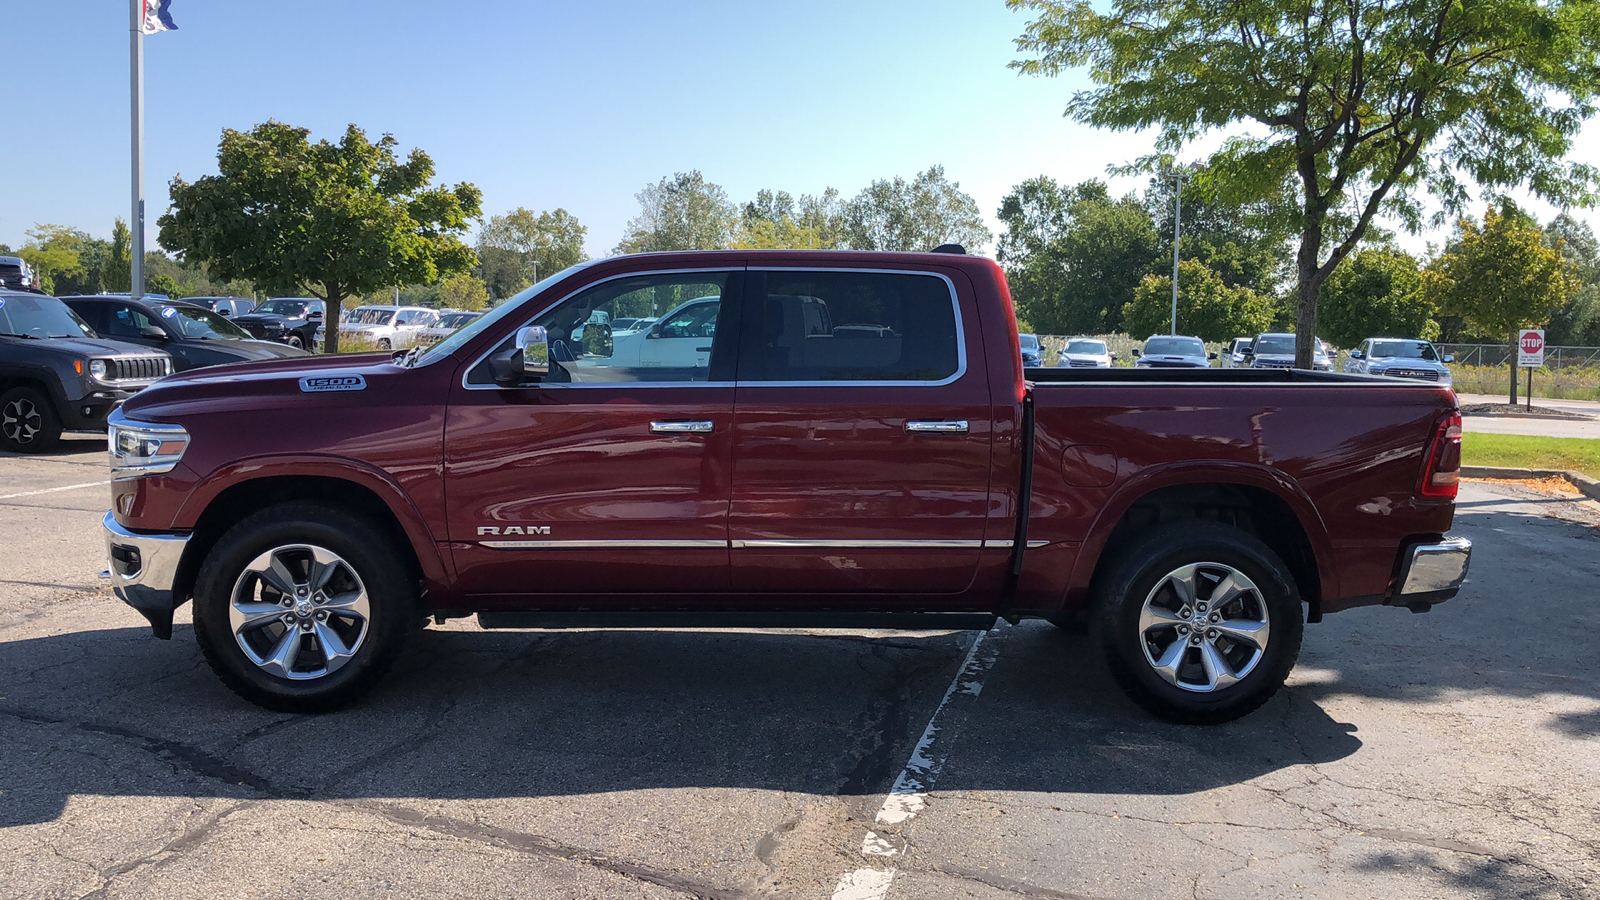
1530,354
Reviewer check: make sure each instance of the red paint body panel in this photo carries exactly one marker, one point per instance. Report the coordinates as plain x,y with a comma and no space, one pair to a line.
808,463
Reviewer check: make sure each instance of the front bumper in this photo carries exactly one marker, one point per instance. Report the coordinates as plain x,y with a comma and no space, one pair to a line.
144,568
1432,573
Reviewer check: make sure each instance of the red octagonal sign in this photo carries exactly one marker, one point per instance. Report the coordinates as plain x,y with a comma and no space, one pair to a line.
1532,341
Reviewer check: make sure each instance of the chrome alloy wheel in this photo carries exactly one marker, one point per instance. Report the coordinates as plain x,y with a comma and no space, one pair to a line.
21,421
299,612
1204,626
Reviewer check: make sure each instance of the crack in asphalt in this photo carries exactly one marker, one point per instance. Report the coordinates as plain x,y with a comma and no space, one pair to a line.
187,839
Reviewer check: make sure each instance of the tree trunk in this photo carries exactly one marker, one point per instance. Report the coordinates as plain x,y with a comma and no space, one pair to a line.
330,319
1310,290
1513,364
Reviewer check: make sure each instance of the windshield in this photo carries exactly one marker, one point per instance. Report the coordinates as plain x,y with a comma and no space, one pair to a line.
1269,344
367,316
1029,342
40,317
291,308
192,322
1404,350
461,336
1089,348
1174,346
456,320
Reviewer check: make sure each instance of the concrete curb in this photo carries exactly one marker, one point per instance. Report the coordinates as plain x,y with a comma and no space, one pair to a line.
1587,486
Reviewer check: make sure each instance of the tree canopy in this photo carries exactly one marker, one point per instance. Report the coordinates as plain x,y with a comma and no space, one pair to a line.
1357,108
681,212
1501,276
520,247
1207,306
335,220
1376,292
916,215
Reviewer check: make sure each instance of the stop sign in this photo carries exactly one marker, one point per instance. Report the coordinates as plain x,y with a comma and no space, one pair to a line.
1530,348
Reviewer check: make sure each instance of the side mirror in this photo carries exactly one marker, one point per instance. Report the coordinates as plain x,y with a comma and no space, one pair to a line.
1136,354
1356,354
655,331
1211,356
597,340
1114,356
223,312
527,359
1247,352
314,314
153,332
1449,357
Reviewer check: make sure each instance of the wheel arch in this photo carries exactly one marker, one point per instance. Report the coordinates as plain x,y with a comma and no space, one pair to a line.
246,487
1260,500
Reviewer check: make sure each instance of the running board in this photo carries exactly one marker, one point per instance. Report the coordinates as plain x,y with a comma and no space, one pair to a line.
765,619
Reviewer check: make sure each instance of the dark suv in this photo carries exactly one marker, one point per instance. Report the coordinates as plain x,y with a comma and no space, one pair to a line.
194,335
287,320
57,374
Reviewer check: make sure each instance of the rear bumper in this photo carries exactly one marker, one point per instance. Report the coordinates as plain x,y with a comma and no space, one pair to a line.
143,570
1432,573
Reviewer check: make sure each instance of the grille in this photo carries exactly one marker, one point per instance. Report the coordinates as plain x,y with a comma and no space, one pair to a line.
137,368
257,329
1271,364
1081,363
1423,374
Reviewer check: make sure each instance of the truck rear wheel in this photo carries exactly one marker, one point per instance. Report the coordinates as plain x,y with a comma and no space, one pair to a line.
1199,622
28,422
301,608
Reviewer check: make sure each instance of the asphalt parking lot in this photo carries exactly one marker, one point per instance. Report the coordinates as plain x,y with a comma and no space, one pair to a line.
1454,754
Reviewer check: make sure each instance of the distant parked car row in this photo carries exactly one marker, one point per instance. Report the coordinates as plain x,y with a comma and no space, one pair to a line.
1394,357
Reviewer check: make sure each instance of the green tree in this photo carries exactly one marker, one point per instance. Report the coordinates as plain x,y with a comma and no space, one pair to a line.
520,247
1244,243
463,290
916,215
683,212
1376,292
1501,276
56,255
1073,255
1577,323
1207,306
334,220
776,220
118,274
1357,107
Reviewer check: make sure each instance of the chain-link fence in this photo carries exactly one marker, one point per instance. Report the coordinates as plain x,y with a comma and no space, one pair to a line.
1504,355
1569,373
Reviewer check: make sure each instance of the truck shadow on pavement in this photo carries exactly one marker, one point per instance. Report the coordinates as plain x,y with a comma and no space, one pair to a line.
550,714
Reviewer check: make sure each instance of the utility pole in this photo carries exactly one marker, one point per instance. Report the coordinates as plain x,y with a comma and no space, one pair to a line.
136,73
1178,174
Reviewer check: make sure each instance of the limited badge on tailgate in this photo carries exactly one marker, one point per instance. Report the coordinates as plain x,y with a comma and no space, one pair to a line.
317,384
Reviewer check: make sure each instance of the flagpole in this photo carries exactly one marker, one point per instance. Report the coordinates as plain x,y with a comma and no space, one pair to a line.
136,65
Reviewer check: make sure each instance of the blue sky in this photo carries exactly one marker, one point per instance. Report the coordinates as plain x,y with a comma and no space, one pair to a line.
576,105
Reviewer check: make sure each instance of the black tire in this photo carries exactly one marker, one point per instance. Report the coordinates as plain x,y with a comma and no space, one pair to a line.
383,344
29,422
1134,576
368,550
297,342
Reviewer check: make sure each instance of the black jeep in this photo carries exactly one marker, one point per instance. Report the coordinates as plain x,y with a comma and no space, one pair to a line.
57,374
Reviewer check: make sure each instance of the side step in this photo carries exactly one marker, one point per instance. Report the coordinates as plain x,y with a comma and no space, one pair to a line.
910,621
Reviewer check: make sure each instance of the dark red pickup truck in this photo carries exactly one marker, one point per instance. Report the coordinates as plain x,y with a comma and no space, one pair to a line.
820,439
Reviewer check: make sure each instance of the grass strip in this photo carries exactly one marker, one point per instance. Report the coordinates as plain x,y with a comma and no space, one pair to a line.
1522,451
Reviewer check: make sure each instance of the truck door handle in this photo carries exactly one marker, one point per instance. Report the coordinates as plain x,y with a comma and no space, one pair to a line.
702,349
940,426
681,427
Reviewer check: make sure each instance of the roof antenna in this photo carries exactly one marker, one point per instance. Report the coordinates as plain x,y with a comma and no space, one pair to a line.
957,249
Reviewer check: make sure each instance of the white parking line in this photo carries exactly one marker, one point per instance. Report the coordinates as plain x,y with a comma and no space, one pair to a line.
910,792
70,487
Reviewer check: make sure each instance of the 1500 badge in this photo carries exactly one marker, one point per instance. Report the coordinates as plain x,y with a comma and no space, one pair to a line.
317,384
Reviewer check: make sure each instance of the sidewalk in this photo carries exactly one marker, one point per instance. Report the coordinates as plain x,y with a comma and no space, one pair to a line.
1540,427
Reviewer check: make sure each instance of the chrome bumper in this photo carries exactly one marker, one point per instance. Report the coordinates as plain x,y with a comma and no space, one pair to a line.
1433,572
144,567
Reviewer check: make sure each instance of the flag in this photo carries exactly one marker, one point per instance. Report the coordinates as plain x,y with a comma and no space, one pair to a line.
158,16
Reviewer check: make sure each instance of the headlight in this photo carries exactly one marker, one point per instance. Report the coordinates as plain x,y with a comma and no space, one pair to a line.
97,369
143,448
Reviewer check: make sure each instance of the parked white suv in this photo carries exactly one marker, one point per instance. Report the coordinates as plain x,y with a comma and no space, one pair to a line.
388,327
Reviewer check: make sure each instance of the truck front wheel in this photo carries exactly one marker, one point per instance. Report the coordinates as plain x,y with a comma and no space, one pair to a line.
301,608
1199,622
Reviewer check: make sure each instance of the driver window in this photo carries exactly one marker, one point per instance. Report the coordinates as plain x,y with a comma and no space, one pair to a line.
126,322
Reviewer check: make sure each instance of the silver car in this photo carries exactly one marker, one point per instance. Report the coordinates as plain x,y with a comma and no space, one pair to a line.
1399,358
1085,353
1173,352
1276,351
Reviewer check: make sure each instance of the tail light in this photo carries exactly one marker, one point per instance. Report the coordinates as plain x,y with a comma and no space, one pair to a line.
1441,472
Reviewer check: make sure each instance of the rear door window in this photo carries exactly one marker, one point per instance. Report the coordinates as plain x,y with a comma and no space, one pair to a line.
872,327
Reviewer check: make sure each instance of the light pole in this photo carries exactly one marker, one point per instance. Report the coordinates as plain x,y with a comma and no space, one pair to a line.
1178,174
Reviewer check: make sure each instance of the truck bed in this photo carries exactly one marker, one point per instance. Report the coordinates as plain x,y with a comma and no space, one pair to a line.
1065,375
